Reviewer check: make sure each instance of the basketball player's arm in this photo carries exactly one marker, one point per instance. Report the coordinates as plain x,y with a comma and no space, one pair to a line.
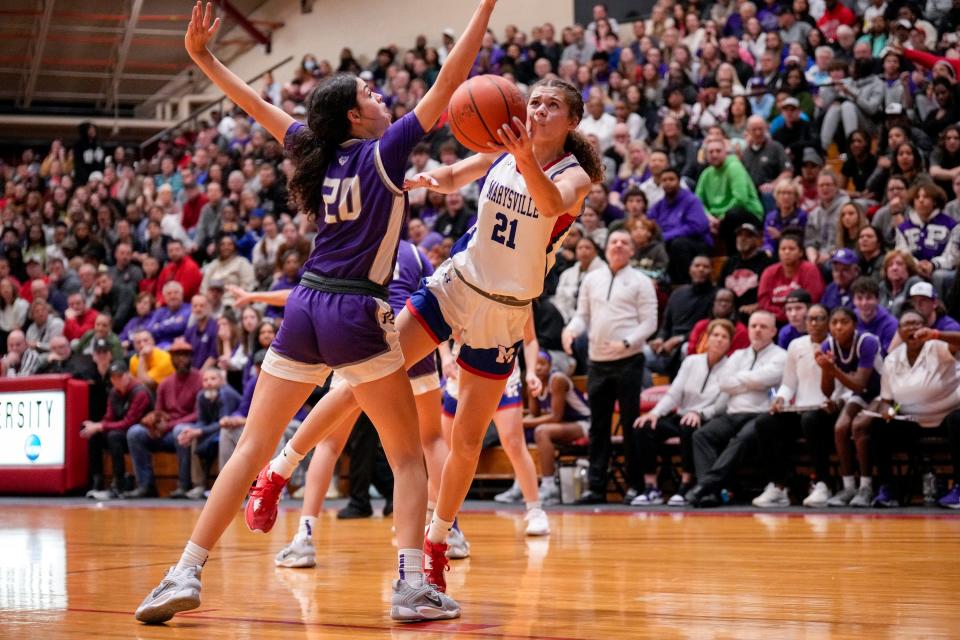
200,32
531,351
455,68
564,194
242,298
447,179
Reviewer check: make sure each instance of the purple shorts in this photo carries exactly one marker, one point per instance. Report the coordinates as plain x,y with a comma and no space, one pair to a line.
353,334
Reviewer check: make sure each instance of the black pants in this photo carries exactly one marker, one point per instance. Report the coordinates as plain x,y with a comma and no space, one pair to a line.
650,442
114,441
729,225
608,383
720,445
778,434
368,465
682,251
904,436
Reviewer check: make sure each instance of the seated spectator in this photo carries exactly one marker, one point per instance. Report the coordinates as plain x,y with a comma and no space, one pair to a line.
650,256
845,264
127,404
920,384
598,199
796,134
593,226
456,219
214,402
44,326
791,272
635,171
170,320
20,360
795,308
727,193
764,159
899,274
79,317
40,290
175,411
288,279
741,272
143,310
820,235
559,415
787,214
681,150
180,268
891,213
687,305
228,268
13,308
101,331
723,308
849,103
62,359
859,165
852,220
231,426
683,223
650,187
202,333
124,270
113,299
568,288
871,316
799,409
926,234
720,444
158,364
694,398
871,253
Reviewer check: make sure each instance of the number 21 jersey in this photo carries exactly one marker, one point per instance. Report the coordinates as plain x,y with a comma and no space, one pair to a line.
512,246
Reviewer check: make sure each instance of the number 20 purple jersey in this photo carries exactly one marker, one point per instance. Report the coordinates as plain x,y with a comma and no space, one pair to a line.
364,206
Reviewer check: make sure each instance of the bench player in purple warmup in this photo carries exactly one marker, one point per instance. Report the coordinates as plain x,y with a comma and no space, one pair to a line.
350,162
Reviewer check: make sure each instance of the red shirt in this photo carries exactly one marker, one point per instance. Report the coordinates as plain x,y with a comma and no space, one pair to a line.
74,328
186,272
191,211
177,397
774,286
698,338
833,18
26,291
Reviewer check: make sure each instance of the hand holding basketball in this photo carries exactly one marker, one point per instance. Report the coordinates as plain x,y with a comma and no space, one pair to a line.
515,138
200,30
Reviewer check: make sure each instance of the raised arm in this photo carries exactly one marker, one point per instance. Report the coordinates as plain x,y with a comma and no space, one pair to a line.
455,67
200,32
273,298
447,179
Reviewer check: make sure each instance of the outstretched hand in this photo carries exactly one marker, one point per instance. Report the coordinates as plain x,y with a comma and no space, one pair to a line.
201,29
420,180
240,297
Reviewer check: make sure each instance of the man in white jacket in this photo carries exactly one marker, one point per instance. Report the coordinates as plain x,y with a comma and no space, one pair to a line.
747,378
617,307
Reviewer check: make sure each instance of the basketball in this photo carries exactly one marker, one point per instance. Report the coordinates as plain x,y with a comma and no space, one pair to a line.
480,106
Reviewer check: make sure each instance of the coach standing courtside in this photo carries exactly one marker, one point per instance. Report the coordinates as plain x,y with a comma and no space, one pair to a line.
617,308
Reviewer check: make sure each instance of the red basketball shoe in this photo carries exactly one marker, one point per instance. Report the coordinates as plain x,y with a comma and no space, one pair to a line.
435,563
261,510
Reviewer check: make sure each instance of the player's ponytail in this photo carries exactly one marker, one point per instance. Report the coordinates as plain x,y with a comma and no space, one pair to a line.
327,127
576,143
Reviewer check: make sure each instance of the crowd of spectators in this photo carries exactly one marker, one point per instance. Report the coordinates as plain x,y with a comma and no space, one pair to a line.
763,161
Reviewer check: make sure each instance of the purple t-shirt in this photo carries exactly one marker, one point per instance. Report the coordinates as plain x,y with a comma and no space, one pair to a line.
864,354
359,224
412,266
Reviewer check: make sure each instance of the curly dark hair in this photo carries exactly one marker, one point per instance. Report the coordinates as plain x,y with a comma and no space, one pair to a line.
576,143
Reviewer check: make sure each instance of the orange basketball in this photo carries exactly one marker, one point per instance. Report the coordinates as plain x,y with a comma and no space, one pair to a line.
480,106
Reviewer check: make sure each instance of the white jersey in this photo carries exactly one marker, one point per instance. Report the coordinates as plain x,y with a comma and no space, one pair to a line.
511,248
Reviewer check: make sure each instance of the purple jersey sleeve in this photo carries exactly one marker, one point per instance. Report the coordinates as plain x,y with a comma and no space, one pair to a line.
290,137
396,145
869,348
425,265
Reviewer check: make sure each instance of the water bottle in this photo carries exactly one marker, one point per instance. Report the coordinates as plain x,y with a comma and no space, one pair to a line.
929,488
725,496
581,481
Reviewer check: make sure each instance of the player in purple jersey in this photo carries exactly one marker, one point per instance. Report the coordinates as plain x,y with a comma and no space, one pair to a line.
851,359
350,163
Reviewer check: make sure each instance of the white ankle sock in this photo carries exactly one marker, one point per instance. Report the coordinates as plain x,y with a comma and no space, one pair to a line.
285,463
438,529
548,482
866,481
307,524
849,482
410,566
534,505
193,556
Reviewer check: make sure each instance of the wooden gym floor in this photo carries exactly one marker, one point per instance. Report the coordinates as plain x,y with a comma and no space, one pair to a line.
70,569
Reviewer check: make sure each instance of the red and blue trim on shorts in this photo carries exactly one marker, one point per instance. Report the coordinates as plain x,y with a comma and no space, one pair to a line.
496,363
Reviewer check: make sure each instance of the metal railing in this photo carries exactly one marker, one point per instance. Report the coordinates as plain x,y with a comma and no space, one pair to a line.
196,113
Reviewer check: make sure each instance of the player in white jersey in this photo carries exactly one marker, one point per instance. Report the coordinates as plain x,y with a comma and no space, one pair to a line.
530,197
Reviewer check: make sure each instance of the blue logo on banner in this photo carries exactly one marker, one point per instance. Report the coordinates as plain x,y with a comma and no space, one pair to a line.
32,447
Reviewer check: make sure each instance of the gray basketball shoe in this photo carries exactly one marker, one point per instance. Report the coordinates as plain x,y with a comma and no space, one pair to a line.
178,591
415,604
